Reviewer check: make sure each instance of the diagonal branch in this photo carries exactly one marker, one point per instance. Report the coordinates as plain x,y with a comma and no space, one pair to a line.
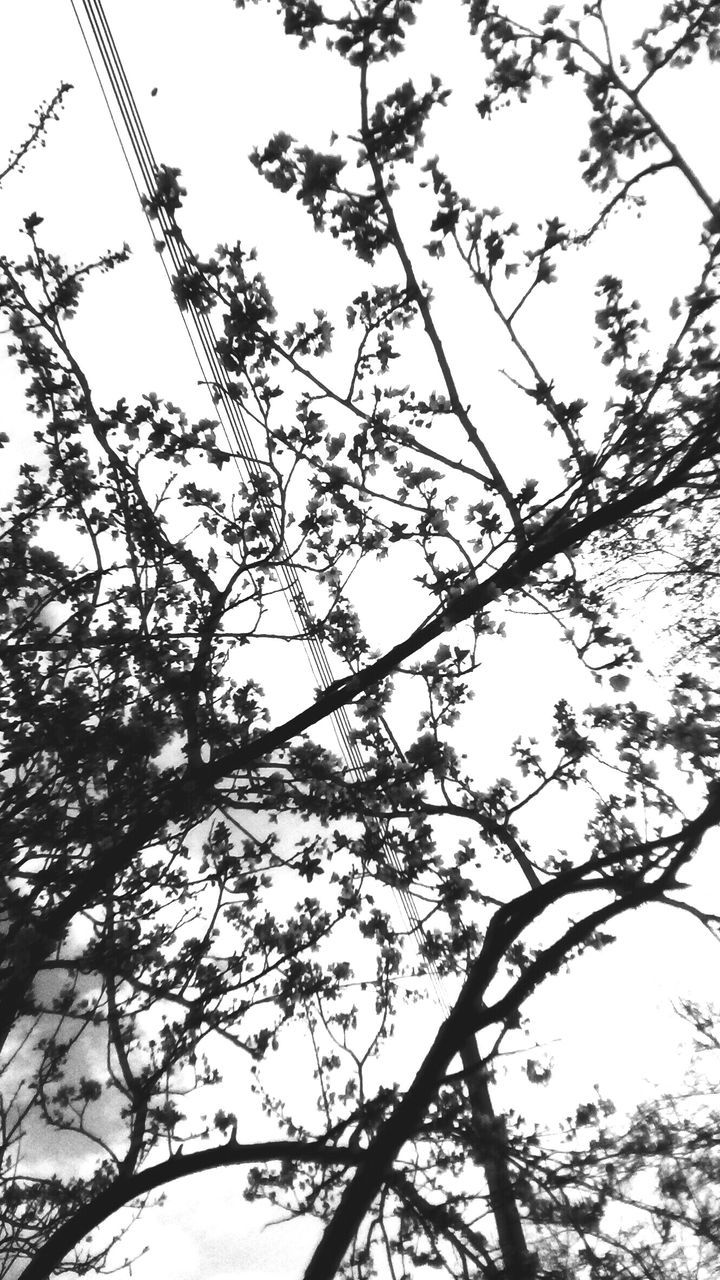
191,792
48,111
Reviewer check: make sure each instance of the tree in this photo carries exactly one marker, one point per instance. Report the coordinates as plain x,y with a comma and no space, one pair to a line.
185,869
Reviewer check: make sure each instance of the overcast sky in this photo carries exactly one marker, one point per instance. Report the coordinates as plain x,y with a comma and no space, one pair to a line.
225,82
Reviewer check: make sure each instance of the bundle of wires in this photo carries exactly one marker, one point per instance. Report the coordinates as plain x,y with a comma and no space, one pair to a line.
145,173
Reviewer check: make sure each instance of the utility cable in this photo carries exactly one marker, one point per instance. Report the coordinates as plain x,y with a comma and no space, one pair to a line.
145,171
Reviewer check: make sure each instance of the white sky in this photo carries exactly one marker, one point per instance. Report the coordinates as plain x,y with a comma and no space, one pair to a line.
226,81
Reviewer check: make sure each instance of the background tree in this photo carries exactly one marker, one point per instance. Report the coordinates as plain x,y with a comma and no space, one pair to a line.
184,868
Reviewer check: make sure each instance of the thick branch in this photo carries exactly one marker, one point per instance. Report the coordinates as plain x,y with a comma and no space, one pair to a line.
124,1190
470,1014
193,789
491,1149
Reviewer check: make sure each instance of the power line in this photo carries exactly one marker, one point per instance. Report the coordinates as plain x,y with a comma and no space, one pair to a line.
145,171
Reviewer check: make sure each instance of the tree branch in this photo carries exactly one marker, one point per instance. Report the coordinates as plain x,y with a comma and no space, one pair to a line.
123,1190
470,1014
418,295
190,791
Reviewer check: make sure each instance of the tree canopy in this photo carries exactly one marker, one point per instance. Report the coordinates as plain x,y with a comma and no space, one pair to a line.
200,866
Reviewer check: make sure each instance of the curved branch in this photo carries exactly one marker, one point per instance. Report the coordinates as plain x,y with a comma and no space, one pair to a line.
469,1014
124,1190
582,237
